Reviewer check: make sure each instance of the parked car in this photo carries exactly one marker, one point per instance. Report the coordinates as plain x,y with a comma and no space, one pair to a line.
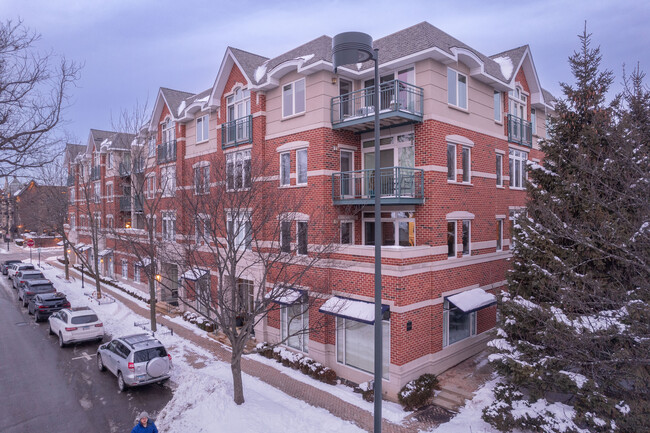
18,267
4,267
22,276
43,305
72,325
32,288
135,359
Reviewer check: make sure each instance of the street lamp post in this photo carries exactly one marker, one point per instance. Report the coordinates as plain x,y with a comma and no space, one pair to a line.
82,275
351,48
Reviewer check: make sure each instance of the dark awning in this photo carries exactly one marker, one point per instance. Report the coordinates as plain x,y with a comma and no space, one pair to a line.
472,300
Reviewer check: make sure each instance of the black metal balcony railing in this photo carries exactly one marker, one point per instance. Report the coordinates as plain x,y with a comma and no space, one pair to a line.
131,203
126,169
95,173
402,102
519,131
71,180
167,152
398,185
236,132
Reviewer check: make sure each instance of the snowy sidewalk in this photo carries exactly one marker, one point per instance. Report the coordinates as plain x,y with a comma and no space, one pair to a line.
270,375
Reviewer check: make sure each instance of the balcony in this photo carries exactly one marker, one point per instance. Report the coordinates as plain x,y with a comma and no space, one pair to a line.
167,152
398,185
400,103
70,180
236,132
95,173
127,170
519,131
129,203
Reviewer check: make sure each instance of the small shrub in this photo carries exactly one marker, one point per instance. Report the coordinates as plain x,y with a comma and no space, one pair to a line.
416,393
327,375
265,350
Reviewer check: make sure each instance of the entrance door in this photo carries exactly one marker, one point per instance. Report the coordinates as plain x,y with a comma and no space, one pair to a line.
169,293
387,162
406,97
347,103
347,165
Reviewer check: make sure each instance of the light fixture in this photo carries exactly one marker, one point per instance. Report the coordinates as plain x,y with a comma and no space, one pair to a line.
158,277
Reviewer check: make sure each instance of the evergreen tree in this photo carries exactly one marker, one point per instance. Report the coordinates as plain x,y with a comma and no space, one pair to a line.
573,340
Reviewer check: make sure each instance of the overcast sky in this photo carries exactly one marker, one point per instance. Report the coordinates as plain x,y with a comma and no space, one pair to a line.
130,48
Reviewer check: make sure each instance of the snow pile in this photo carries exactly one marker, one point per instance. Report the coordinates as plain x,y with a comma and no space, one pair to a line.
578,378
260,71
203,100
181,108
505,63
593,323
306,58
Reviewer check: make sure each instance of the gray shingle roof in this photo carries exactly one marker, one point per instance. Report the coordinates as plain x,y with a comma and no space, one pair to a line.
548,97
174,98
98,135
248,61
74,149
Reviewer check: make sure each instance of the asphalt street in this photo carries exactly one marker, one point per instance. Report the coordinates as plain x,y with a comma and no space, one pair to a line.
46,388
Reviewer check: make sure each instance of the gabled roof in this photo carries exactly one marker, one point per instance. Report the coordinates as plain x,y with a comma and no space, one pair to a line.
118,141
171,98
515,56
95,139
548,97
195,103
248,62
71,152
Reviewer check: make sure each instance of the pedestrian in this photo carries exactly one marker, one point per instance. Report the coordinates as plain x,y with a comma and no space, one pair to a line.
144,425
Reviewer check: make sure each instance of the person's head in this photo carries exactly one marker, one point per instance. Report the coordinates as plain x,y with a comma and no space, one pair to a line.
144,418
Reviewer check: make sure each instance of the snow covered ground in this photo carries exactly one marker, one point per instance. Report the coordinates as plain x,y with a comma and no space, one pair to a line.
202,400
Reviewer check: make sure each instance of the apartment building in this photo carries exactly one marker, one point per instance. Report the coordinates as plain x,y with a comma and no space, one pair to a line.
459,130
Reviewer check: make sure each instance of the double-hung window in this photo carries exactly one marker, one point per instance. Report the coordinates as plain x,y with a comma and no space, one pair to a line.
202,179
73,221
517,168
239,229
238,170
202,125
109,192
125,268
285,168
347,232
202,228
150,187
301,228
168,181
498,112
72,194
466,159
451,239
169,225
285,236
456,89
451,162
499,169
136,273
151,146
397,228
467,237
294,324
457,325
533,121
293,98
499,234
301,166
109,160
97,192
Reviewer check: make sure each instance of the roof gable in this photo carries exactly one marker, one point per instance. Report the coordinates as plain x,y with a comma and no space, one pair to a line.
246,62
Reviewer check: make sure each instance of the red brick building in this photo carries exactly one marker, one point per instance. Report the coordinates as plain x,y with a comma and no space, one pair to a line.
458,130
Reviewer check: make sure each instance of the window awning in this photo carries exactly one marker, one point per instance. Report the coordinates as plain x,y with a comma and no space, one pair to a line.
82,247
60,244
144,262
360,311
194,274
285,295
106,252
472,300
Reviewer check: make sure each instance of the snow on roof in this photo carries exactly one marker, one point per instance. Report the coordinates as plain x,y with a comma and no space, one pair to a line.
205,99
194,274
360,311
260,71
505,63
307,58
106,252
145,262
285,295
181,108
472,300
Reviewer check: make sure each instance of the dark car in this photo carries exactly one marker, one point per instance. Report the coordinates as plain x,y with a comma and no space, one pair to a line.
42,306
4,266
32,288
22,276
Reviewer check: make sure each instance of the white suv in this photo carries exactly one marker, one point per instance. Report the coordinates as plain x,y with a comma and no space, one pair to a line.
135,359
72,325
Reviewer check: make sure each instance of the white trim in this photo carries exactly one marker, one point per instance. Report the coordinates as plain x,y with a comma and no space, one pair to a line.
502,152
459,139
292,145
199,164
459,215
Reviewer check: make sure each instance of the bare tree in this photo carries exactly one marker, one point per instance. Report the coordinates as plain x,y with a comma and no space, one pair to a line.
253,236
33,91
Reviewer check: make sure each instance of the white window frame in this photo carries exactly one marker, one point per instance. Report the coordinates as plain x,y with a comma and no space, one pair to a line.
110,222
125,268
445,325
240,224
109,192
456,79
342,349
202,228
467,233
168,181
202,128
285,227
499,228
301,340
235,159
533,120
301,171
150,185
517,160
499,170
109,160
452,165
395,220
168,128
466,160
169,225
452,254
201,179
73,220
498,110
72,194
285,171
151,147
97,192
136,272
290,90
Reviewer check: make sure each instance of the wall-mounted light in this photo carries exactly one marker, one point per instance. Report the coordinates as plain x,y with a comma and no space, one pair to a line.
127,225
409,325
158,277
333,80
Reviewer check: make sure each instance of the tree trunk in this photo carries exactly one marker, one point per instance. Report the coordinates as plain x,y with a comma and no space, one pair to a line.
65,260
97,283
152,302
235,367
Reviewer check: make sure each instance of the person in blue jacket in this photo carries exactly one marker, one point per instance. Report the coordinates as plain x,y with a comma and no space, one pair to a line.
144,425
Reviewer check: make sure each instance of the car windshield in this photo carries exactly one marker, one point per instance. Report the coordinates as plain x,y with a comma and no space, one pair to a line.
32,276
80,320
42,288
149,354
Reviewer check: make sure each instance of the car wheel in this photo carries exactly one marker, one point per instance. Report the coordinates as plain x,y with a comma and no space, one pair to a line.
61,342
49,330
120,382
100,363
